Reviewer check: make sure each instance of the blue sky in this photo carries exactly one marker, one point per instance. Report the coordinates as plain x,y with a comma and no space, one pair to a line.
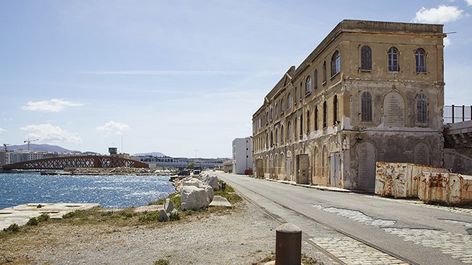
179,77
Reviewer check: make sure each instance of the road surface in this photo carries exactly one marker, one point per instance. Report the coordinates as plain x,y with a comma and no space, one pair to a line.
350,228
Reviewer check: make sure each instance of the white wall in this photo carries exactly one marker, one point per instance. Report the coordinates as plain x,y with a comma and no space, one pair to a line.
242,155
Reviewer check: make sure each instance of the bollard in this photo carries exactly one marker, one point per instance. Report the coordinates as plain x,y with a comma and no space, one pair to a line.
288,245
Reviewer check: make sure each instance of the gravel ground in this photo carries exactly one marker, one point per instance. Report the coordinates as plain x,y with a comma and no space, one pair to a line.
243,236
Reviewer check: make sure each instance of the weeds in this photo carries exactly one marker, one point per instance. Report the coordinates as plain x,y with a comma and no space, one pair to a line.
13,228
161,262
32,221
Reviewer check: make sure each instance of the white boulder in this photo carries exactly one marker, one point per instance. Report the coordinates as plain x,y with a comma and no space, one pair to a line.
211,180
194,198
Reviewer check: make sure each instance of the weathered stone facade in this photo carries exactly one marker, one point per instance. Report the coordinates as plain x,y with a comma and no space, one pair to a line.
371,91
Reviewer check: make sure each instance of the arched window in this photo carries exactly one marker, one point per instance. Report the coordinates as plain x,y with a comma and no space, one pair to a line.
366,58
308,85
315,79
271,139
393,65
420,56
316,118
335,110
325,114
324,72
289,101
366,106
421,109
308,122
335,63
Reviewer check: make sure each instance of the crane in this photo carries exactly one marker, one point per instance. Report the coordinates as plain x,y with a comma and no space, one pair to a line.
29,142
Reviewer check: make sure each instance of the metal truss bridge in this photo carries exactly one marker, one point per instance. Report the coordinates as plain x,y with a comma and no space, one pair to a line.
89,161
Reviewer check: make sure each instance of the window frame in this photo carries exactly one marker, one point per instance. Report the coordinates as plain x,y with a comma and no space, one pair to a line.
335,63
366,97
420,53
366,54
421,116
393,56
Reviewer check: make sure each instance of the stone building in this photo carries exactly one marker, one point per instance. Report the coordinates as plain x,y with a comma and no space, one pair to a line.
371,91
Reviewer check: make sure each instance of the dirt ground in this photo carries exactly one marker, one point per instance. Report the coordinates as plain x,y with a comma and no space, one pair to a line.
244,235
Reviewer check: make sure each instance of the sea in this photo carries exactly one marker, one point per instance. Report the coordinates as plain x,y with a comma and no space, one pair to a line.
115,191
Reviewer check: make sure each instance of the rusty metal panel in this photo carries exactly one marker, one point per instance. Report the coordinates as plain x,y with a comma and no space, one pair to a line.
446,188
400,180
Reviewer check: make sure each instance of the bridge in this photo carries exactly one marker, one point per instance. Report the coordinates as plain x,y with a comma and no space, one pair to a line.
88,161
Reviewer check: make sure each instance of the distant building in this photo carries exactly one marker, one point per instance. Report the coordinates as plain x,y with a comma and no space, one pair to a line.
4,158
242,155
228,166
179,162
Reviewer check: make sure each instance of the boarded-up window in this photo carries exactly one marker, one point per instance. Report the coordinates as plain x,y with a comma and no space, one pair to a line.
366,106
394,108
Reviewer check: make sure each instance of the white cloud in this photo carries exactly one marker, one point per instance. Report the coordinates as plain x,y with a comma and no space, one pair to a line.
113,127
48,133
441,14
2,130
52,105
469,2
447,41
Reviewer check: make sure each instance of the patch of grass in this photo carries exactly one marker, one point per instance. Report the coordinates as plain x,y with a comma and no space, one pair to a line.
44,217
147,217
229,194
32,221
176,200
161,262
174,216
13,228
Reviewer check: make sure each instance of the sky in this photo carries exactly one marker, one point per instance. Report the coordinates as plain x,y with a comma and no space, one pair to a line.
179,77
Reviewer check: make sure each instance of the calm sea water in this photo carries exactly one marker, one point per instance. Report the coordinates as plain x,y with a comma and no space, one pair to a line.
108,191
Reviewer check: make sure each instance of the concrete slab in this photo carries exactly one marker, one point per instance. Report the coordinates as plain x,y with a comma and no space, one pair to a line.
148,208
22,213
219,201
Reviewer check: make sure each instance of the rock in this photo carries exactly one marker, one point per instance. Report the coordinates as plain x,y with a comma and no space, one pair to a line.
163,217
192,182
194,198
168,206
211,181
210,193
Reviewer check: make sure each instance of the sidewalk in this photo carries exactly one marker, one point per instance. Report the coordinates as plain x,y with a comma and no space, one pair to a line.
324,188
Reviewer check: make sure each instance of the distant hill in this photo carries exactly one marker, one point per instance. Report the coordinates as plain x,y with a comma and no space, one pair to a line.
156,154
40,148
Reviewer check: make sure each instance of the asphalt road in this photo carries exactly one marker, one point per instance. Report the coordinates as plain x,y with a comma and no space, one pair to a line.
406,230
